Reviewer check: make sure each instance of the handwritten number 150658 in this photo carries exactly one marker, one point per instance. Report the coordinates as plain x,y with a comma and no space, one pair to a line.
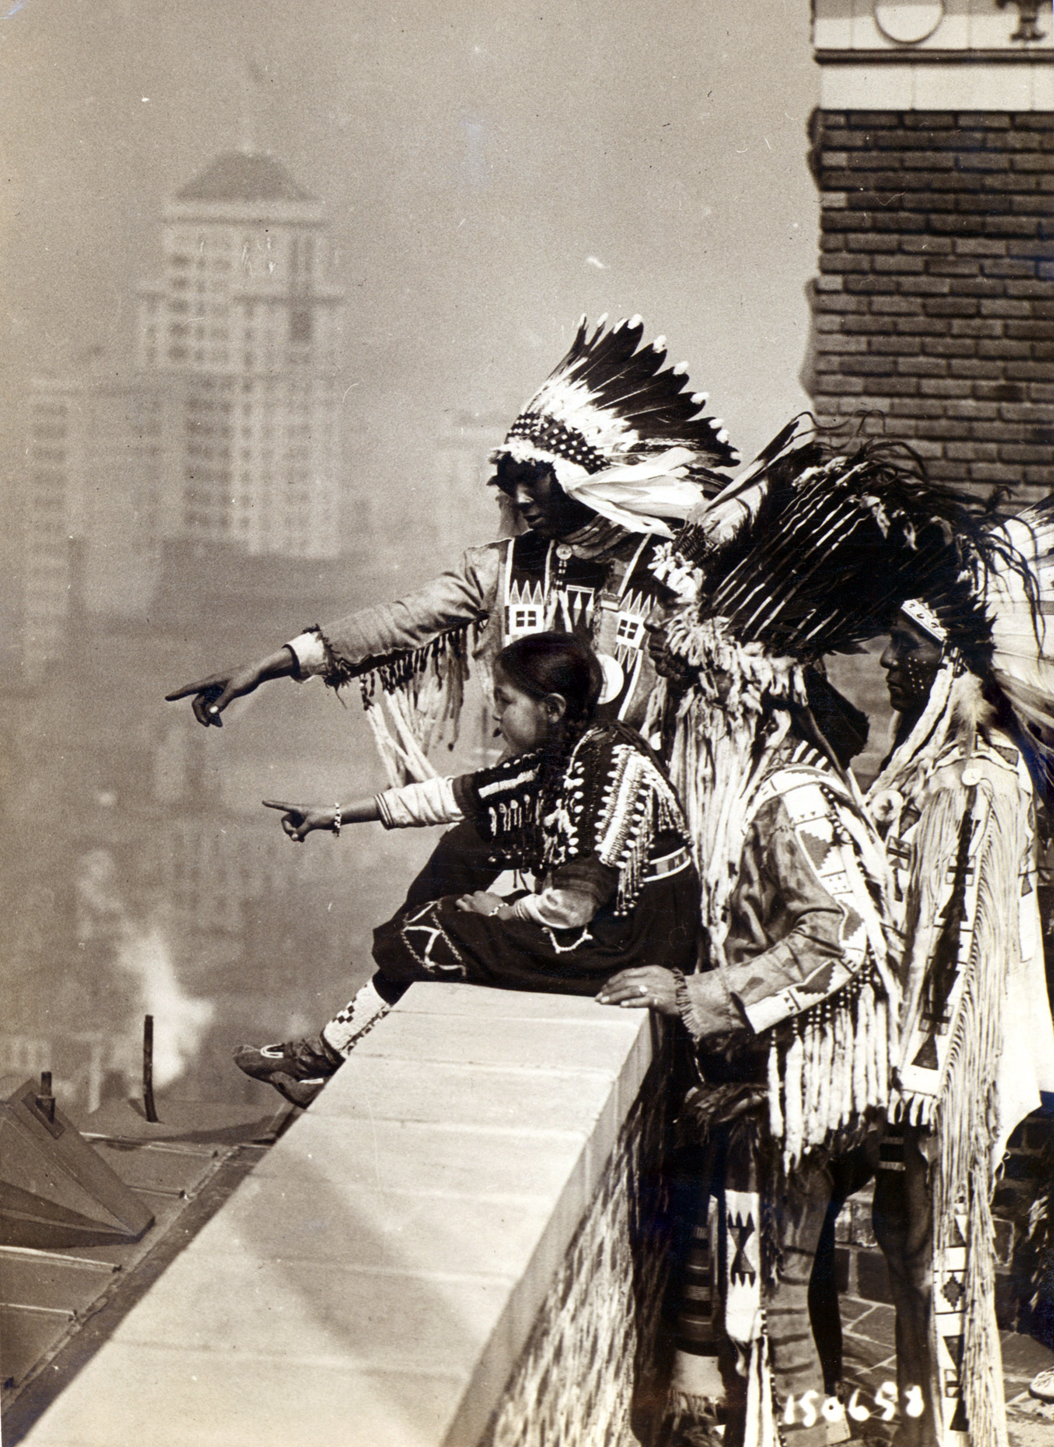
808,1408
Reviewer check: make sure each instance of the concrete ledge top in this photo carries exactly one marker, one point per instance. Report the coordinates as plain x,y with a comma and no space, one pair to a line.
375,1279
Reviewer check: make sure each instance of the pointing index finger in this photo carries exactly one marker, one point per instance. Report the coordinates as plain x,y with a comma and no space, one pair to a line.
215,686
277,804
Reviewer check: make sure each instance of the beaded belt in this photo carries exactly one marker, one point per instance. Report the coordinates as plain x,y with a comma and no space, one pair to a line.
668,864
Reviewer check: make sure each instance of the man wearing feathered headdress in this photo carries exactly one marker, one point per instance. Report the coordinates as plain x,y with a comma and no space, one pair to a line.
796,1022
610,449
974,707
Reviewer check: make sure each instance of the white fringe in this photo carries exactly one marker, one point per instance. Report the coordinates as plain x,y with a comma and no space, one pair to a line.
833,1068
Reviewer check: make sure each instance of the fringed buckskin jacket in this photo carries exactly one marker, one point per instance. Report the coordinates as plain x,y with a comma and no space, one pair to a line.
962,845
976,1045
596,582
801,1002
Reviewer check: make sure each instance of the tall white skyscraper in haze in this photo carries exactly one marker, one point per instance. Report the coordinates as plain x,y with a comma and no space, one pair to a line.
242,326
223,429
92,517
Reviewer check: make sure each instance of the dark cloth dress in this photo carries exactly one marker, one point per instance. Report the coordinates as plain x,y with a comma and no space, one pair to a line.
606,824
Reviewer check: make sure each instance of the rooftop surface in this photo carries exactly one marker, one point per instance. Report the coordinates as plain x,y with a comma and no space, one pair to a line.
60,1301
373,1281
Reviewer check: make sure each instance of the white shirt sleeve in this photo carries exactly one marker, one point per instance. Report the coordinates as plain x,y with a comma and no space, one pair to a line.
417,805
310,653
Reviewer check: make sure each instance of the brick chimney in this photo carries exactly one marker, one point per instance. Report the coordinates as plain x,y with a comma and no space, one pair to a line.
933,150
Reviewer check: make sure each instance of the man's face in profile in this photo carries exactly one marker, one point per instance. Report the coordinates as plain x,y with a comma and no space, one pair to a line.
540,500
911,659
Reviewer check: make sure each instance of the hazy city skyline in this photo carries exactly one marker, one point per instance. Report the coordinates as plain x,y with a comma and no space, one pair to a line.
488,177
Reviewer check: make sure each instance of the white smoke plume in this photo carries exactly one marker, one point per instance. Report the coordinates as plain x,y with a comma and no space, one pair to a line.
180,1020
142,952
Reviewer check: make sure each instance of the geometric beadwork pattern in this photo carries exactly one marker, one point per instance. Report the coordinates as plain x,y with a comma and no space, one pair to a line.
587,1376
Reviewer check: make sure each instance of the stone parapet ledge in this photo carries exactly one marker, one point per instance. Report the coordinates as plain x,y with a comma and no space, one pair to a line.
376,1280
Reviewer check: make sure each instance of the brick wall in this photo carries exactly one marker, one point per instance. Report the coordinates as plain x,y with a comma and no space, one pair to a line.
589,1374
935,299
934,306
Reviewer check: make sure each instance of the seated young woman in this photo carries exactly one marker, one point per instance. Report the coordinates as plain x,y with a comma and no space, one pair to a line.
583,806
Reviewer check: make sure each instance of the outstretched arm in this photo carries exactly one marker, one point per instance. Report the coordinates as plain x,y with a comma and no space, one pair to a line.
417,805
298,820
339,651
212,695
344,649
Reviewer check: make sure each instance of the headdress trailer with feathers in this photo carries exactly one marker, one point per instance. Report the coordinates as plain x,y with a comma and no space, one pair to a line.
813,551
620,432
1022,646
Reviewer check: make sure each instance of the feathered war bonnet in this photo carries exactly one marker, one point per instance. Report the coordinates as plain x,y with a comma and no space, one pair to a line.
834,544
1020,656
621,433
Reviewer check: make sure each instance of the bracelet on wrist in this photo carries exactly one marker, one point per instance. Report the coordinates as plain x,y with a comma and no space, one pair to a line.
336,820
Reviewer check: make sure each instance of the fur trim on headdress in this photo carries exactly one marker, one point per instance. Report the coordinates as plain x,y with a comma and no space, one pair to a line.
727,731
684,581
741,677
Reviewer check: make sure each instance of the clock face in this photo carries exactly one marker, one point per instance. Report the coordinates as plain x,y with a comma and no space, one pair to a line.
908,21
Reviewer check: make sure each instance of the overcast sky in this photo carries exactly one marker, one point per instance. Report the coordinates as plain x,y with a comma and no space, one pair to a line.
491,169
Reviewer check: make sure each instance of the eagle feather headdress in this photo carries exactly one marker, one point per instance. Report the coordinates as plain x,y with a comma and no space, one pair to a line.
1022,663
624,435
814,549
621,432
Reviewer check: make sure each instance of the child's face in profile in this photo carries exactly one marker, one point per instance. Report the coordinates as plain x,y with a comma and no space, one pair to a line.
523,721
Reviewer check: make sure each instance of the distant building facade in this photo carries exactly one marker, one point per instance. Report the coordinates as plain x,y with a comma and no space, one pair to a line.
222,432
94,503
242,326
461,474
